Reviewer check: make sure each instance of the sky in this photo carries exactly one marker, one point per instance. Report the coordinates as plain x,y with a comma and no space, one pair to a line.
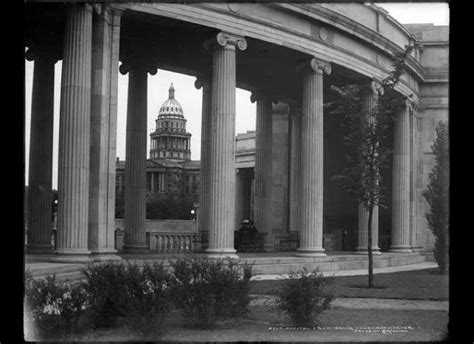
190,98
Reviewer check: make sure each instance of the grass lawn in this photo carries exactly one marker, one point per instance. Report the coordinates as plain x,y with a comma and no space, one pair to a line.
264,323
410,285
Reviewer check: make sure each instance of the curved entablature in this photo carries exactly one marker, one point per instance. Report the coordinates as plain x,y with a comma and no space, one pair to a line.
313,29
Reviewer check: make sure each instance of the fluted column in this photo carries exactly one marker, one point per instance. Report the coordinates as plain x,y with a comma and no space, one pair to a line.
205,139
74,136
41,154
221,146
105,41
135,165
414,158
295,118
312,131
263,167
401,183
370,98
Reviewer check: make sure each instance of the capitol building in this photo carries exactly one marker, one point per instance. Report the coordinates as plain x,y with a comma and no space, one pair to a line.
169,168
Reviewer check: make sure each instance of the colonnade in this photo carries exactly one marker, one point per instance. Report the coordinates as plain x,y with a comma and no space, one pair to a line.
87,134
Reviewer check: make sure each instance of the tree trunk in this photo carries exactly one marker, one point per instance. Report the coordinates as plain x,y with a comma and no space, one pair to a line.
369,249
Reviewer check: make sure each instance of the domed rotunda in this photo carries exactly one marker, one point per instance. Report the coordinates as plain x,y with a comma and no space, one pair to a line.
170,139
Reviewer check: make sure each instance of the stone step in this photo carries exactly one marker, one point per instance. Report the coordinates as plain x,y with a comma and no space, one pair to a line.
262,265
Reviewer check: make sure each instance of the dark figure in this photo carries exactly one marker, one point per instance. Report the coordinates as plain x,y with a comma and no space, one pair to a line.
252,232
241,234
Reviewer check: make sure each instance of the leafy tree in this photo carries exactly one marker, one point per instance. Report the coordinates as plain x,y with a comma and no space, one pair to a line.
437,197
367,141
168,206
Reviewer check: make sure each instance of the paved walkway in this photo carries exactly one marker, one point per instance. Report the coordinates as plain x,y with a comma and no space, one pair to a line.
409,267
366,303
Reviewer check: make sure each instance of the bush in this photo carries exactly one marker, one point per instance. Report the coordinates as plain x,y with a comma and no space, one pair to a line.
437,196
54,307
140,296
302,297
206,289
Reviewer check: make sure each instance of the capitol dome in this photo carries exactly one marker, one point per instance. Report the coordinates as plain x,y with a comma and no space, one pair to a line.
170,140
171,106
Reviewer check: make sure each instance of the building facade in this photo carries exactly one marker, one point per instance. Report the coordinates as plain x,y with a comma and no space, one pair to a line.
288,56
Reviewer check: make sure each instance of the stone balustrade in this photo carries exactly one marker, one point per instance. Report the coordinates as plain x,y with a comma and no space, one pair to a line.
173,242
165,236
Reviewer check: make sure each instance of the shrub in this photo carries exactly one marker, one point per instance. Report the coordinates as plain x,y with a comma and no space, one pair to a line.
206,289
54,307
437,196
302,297
138,295
105,286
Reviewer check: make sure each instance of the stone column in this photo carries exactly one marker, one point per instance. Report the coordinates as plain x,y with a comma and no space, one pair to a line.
221,146
414,158
105,45
312,131
135,165
41,154
370,99
295,118
205,84
74,137
263,167
401,183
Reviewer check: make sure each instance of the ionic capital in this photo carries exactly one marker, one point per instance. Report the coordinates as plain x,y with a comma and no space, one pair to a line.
256,96
321,66
97,8
260,95
317,65
411,103
224,39
375,88
415,43
138,65
227,41
202,82
33,54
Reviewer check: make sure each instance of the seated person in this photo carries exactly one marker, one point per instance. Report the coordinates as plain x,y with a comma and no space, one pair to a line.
242,232
252,232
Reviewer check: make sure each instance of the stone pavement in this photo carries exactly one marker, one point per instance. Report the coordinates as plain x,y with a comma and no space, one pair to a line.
366,303
409,267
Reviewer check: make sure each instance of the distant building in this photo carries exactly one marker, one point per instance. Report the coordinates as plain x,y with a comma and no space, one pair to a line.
169,168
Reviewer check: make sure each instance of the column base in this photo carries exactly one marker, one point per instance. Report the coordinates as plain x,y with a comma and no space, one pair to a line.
311,252
417,248
363,250
221,253
400,249
71,256
39,249
135,249
105,255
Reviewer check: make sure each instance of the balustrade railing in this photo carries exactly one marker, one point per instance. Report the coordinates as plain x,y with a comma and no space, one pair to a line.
160,242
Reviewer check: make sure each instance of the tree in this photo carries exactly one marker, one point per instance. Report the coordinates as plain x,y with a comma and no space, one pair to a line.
168,206
437,195
368,149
